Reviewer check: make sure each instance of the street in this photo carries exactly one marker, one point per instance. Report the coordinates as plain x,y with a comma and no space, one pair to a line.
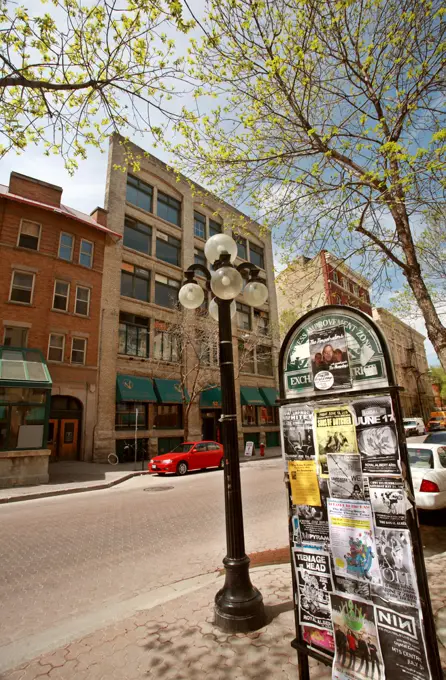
75,563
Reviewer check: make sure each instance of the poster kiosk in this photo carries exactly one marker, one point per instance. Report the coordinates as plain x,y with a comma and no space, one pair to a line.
361,597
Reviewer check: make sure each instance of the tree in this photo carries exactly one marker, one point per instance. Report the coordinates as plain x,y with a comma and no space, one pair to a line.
328,123
438,376
72,76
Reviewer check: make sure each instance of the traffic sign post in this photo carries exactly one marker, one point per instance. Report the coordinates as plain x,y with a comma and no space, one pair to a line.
360,587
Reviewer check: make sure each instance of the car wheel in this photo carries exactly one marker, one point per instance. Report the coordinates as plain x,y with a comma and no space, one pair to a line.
221,464
181,468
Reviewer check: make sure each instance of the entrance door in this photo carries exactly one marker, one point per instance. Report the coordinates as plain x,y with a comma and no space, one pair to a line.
53,431
68,439
210,425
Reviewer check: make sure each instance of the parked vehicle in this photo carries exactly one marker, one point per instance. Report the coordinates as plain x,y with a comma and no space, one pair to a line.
437,421
436,438
188,456
413,426
428,467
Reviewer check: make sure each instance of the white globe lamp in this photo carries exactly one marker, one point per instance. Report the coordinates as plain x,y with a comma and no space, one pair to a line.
219,244
226,283
191,295
213,309
255,293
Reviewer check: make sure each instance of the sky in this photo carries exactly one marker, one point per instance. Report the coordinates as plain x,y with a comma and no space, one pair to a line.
86,189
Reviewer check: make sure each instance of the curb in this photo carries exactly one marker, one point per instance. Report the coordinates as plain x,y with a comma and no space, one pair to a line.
99,487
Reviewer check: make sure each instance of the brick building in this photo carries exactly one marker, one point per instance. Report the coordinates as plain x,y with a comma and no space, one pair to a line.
50,299
164,222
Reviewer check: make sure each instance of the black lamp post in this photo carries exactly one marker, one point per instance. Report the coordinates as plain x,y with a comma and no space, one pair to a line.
238,605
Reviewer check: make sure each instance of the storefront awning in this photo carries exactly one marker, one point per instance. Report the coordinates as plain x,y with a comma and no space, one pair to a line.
250,396
168,391
269,394
23,368
134,388
211,398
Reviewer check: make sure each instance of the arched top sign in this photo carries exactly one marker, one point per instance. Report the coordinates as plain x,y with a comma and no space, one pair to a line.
333,350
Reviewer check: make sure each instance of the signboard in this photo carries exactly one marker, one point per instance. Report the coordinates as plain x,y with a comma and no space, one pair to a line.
360,586
249,449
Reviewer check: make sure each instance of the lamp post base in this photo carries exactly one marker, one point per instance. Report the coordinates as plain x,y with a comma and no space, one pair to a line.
238,605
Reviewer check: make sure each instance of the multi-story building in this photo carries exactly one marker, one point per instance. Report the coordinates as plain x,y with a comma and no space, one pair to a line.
410,363
164,221
50,300
313,282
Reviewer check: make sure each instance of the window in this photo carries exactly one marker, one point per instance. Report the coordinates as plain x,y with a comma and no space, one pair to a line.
61,295
22,287
249,415
169,208
268,415
336,300
29,235
256,255
78,350
245,358
168,416
133,335
262,322
242,251
165,345
56,347
207,350
199,225
243,316
139,193
168,249
214,228
166,291
86,253
15,337
356,289
264,360
82,304
135,282
334,276
344,283
199,258
66,246
125,416
137,236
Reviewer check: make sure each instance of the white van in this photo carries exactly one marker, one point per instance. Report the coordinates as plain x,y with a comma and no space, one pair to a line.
413,426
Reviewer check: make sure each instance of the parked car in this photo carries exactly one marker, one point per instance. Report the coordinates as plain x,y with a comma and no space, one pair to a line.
437,421
428,466
413,426
435,438
188,456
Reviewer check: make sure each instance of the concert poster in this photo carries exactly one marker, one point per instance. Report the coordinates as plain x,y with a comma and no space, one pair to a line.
335,433
377,436
345,476
389,501
394,549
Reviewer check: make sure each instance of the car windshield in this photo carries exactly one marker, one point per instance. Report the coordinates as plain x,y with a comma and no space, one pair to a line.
409,423
420,458
436,438
182,448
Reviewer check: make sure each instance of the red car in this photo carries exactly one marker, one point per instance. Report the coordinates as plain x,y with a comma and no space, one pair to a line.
188,456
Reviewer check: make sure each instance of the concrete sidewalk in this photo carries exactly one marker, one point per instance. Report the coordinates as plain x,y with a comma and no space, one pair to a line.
175,639
69,477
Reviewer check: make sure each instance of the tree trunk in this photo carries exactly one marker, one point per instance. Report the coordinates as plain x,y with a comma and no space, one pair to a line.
186,422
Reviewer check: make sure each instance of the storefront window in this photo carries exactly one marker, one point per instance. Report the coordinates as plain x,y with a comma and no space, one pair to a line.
268,415
249,415
126,415
168,416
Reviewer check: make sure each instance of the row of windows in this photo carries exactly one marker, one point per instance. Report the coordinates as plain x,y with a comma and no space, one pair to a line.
348,285
260,415
255,360
56,348
245,315
205,227
256,253
29,237
135,283
22,290
161,416
140,194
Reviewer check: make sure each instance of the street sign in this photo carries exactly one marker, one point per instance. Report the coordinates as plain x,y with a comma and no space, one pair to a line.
361,595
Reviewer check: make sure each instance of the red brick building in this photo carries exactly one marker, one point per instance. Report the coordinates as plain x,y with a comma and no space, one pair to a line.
50,299
342,285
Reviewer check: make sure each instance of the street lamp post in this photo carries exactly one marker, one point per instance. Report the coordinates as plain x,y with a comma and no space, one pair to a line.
238,605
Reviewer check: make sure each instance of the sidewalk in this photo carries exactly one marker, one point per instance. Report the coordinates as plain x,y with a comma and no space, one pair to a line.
175,639
76,477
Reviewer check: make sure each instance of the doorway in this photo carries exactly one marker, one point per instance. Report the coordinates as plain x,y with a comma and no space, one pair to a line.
210,425
64,432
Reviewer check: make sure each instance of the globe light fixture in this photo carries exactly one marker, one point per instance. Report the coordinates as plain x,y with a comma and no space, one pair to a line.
219,244
255,293
213,309
191,295
226,283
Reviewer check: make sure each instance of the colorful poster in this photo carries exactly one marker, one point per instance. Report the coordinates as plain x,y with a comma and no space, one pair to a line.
394,549
388,499
357,651
345,476
335,433
402,642
321,639
329,359
297,429
314,584
352,540
377,437
304,482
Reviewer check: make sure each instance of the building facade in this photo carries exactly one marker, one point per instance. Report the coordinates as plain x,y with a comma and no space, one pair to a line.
164,222
50,300
410,364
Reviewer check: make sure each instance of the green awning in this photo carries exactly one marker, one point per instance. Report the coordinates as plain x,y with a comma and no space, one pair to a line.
134,388
250,396
269,394
168,391
211,398
21,367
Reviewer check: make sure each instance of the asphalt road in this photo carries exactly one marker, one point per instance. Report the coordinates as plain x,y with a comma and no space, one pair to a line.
74,562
